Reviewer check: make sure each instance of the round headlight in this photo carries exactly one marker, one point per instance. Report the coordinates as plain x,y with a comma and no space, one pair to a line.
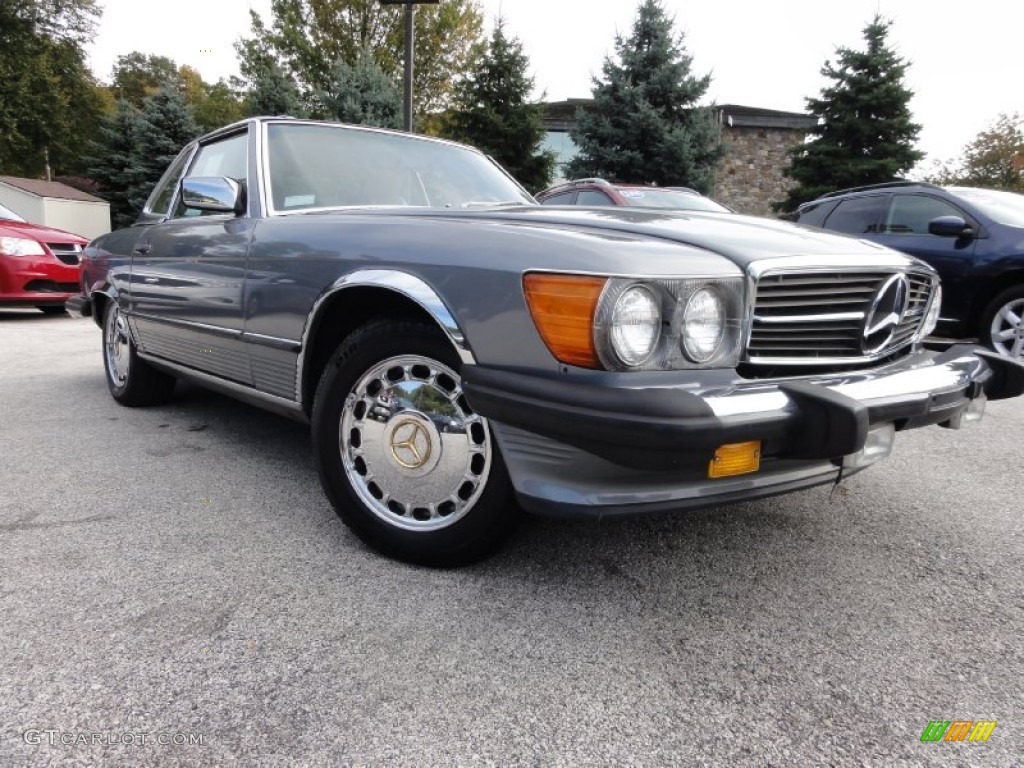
932,318
703,325
635,325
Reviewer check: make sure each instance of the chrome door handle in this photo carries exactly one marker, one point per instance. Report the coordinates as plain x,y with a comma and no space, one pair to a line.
142,250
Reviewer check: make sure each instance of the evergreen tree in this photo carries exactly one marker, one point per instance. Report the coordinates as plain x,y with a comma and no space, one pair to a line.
112,167
492,111
865,132
361,93
165,125
645,126
273,92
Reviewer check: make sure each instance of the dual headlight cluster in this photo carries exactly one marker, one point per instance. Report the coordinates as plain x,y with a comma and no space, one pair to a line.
638,324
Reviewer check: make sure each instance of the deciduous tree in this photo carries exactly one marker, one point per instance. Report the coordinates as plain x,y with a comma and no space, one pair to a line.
307,38
994,158
49,102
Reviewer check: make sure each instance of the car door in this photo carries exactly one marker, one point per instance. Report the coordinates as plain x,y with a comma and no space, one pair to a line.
861,215
906,229
188,274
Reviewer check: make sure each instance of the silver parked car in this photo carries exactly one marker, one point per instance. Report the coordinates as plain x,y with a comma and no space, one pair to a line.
458,348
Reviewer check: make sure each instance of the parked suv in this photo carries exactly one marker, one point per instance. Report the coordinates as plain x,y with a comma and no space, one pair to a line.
38,265
600,192
973,237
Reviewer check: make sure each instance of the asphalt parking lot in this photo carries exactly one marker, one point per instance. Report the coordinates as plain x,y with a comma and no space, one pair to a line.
175,575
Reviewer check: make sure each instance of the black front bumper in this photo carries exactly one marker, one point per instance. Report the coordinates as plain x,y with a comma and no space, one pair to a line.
666,427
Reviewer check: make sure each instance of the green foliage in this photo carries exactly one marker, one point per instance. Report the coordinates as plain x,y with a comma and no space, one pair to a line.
137,76
273,92
492,111
645,125
307,38
865,133
112,167
49,102
361,93
993,159
165,125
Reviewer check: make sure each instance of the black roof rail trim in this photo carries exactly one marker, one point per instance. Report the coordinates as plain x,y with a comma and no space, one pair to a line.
883,185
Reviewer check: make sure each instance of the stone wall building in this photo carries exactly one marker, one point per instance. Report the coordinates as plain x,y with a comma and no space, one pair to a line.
750,175
749,178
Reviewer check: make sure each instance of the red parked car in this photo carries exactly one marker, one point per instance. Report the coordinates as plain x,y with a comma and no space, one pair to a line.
38,265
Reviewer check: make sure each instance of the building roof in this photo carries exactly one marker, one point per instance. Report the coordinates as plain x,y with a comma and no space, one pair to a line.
561,115
52,189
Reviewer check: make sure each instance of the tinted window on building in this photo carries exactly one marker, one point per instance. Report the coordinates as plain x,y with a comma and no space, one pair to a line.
857,215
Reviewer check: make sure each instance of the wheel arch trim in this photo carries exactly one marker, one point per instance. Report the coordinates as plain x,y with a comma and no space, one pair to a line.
396,281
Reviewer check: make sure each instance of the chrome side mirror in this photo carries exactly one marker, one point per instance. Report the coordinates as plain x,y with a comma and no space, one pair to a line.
213,193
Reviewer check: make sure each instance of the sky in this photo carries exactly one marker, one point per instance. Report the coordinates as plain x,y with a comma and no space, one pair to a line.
965,58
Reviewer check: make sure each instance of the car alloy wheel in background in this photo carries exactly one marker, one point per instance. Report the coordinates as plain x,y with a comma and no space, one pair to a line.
1004,324
402,485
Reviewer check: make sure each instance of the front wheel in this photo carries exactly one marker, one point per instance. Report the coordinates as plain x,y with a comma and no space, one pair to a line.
131,380
1002,325
405,487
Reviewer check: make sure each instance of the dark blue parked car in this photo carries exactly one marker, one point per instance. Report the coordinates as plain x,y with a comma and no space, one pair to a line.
973,237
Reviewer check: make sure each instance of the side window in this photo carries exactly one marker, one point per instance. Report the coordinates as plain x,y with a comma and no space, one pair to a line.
814,214
592,197
563,198
227,157
857,215
160,200
910,214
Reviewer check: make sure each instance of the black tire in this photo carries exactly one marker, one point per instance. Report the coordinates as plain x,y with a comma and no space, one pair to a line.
131,380
51,309
1012,300
426,513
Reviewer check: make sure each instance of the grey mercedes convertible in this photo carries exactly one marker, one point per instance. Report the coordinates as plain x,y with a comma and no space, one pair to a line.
463,353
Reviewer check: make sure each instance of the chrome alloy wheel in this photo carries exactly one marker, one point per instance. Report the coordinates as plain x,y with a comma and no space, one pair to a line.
116,346
412,449
1007,331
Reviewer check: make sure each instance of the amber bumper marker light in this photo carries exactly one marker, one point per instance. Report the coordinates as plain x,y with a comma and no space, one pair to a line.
735,459
562,307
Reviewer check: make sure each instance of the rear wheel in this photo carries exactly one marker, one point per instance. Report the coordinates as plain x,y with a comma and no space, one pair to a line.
131,380
1002,325
407,488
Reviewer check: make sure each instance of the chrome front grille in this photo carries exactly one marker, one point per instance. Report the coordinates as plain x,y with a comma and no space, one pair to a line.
817,317
69,253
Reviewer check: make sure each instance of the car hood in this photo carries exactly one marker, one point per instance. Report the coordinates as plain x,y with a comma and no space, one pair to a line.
742,239
38,232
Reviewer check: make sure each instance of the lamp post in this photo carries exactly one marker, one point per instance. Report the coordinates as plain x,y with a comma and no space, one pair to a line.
409,40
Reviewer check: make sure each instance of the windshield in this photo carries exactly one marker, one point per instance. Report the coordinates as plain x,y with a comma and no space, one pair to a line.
670,199
332,166
1002,207
8,214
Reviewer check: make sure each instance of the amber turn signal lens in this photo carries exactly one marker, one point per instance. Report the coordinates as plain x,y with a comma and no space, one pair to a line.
735,459
562,307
